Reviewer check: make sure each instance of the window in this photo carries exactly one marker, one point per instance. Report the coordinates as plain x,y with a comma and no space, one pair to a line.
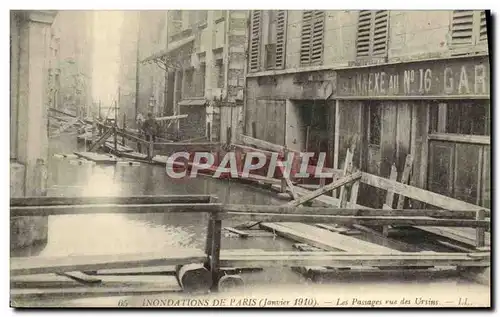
374,123
372,33
311,39
468,28
220,73
188,88
199,84
270,56
471,118
255,35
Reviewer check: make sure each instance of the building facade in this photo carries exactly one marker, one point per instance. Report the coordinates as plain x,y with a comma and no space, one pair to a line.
70,73
393,82
204,66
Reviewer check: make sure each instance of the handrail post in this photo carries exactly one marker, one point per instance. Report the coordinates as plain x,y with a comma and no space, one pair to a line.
480,232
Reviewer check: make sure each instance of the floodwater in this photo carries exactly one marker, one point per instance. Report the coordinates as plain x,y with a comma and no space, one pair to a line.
131,233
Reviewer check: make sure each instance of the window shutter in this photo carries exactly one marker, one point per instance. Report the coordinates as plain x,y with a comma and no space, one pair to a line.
462,27
281,38
317,37
380,31
311,43
373,28
255,35
483,30
364,30
305,37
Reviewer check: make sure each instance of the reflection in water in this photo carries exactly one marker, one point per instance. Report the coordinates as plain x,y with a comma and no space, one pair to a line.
128,233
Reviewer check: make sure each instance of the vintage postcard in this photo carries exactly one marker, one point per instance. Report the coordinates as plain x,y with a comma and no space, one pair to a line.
250,158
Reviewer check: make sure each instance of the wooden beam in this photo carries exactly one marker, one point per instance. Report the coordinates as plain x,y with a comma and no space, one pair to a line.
215,251
340,182
350,220
179,116
101,140
247,140
98,200
345,259
462,138
347,171
334,211
42,265
25,211
389,198
419,194
405,178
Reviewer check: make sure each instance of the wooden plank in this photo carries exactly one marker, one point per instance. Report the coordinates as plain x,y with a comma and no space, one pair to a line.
347,171
419,194
81,277
215,251
133,155
377,235
350,220
179,116
321,238
103,291
463,235
389,198
242,234
249,141
42,281
462,138
42,265
340,182
405,177
98,200
110,209
98,158
102,139
345,259
285,209
480,234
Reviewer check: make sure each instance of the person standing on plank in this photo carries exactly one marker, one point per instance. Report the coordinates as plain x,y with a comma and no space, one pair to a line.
150,128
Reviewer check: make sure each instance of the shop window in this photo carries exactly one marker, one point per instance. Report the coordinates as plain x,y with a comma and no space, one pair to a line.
470,118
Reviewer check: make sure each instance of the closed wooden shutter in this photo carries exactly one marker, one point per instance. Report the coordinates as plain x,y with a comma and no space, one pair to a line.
255,35
281,38
364,30
380,31
311,43
462,27
483,30
373,28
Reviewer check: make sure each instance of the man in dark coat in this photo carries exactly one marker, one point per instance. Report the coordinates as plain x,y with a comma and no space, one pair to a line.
150,129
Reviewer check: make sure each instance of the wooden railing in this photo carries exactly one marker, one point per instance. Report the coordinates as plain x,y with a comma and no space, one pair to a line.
52,206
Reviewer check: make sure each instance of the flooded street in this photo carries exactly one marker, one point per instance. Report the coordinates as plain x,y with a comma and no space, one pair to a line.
134,233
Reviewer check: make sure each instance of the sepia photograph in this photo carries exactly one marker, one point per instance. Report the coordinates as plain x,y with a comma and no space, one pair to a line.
182,158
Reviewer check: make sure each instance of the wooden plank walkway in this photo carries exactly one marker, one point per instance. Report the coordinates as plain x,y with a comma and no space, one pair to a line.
323,239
